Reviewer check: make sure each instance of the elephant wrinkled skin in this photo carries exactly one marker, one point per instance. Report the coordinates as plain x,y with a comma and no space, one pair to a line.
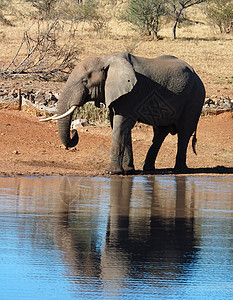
164,92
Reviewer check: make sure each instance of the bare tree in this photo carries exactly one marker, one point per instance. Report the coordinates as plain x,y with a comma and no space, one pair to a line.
177,7
44,57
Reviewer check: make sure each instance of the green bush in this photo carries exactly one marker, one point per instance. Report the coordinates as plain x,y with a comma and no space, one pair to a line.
45,8
220,13
92,113
87,13
146,15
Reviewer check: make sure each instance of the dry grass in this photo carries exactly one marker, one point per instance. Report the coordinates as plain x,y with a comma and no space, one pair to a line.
209,53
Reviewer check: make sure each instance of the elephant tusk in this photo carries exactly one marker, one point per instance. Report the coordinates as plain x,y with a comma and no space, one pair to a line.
56,117
47,119
65,114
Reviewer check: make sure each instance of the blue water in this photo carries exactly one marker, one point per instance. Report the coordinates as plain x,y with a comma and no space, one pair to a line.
162,237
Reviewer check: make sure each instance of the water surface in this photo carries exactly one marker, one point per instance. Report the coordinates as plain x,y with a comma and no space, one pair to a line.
116,238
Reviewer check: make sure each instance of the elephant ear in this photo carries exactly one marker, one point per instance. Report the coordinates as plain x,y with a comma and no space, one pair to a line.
120,79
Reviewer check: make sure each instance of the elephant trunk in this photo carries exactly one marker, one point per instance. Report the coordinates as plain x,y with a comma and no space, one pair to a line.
64,132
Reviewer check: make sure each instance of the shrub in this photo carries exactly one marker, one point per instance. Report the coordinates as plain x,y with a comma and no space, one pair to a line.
146,15
87,12
92,113
220,13
45,8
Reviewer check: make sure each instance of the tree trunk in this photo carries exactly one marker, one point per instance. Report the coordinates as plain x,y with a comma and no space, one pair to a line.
174,29
178,14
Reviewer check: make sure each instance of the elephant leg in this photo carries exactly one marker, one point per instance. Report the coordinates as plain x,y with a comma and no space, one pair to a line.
111,115
128,164
121,148
183,140
159,135
187,127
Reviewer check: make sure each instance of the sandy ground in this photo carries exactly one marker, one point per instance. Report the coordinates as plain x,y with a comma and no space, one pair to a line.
29,147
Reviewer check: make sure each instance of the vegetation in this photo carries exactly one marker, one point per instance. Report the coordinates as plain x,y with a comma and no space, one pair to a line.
45,8
42,54
92,113
220,13
146,15
85,13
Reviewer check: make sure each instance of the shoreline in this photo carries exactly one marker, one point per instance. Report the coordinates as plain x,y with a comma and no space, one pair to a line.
31,148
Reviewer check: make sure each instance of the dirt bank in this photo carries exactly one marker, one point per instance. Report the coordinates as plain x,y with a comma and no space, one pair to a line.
32,148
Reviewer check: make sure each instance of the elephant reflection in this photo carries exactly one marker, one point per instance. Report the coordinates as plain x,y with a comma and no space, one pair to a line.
139,241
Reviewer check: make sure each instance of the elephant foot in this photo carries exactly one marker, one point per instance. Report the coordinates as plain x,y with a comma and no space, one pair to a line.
119,171
109,172
148,168
181,169
129,171
114,170
148,172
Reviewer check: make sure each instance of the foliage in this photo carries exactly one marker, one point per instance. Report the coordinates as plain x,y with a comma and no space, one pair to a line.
73,10
88,12
146,15
220,13
45,8
92,113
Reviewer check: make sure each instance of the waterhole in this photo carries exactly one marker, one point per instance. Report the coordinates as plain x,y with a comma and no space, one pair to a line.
162,237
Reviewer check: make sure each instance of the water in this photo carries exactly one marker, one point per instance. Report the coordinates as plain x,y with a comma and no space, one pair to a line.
162,237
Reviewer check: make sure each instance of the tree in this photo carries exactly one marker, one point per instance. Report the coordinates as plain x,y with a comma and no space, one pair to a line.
85,12
220,13
177,8
146,15
44,7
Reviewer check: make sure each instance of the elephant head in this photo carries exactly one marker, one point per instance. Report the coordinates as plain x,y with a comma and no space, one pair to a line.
99,79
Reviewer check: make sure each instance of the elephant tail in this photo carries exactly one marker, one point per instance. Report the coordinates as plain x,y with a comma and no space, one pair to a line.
194,141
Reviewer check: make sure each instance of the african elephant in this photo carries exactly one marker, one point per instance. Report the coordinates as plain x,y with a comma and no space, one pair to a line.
164,92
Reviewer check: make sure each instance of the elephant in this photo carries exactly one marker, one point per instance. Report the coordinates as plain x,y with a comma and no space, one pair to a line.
164,92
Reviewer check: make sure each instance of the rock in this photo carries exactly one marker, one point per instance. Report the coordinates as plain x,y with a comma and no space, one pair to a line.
46,101
3,93
56,95
51,99
15,152
214,105
208,102
30,95
40,98
79,123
